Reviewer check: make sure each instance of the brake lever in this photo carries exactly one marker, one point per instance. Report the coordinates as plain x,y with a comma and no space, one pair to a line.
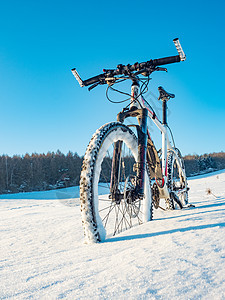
93,86
101,82
161,69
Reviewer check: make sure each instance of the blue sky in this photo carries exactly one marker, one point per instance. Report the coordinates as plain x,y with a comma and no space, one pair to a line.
44,109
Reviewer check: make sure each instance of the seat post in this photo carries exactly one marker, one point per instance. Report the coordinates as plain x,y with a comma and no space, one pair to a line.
164,108
164,96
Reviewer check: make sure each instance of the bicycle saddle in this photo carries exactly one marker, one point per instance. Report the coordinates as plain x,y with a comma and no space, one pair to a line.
163,95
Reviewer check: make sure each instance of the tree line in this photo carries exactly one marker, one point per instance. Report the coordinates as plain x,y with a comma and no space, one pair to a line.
200,164
40,172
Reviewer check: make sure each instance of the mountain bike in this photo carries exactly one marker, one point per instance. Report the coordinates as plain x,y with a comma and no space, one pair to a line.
121,160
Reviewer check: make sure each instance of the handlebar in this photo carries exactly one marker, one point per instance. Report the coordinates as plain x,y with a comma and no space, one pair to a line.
149,66
166,60
94,79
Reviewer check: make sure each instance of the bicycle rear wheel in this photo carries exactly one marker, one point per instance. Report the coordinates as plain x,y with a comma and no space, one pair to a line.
177,181
103,216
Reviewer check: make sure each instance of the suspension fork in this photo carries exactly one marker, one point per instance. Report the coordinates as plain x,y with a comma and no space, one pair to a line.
140,166
115,173
142,118
142,150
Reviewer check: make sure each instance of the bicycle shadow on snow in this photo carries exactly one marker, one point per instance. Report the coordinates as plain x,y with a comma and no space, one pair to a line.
184,229
205,206
148,235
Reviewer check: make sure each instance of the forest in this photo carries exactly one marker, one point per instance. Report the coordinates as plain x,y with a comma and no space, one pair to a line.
54,170
39,172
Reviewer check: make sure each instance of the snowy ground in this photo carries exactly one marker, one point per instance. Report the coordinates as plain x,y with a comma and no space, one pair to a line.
179,255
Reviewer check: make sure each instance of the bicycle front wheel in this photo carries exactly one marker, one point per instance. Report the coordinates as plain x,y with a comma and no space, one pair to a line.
103,215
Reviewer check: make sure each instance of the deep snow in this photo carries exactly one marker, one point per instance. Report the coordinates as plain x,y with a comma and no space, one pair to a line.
178,255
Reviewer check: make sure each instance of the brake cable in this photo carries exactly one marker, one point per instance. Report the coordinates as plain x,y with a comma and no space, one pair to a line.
144,90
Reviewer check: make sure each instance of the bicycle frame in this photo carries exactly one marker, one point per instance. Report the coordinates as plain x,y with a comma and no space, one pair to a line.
166,147
139,110
146,148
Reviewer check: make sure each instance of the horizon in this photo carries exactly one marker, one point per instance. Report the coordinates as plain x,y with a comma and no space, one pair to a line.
81,155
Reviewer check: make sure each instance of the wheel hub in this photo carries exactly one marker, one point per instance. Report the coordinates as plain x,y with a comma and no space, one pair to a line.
131,201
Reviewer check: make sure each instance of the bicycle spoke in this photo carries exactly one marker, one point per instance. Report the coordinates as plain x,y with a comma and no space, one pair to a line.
110,210
115,222
124,208
124,217
124,213
100,210
106,180
106,200
139,219
103,186
107,216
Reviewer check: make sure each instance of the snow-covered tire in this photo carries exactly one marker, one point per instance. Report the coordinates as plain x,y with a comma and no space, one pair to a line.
90,193
176,180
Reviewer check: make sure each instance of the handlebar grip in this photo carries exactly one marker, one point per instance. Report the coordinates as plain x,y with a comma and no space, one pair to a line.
179,49
165,60
93,80
77,76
